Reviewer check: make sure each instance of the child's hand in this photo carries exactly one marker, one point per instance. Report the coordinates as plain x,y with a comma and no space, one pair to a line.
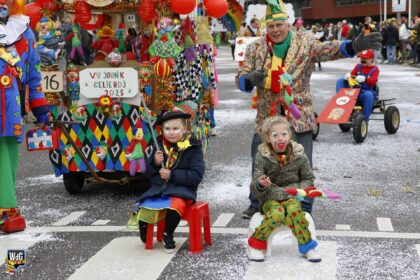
158,158
264,181
347,76
360,78
165,174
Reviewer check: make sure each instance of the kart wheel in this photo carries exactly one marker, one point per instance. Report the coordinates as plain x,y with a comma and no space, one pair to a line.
360,128
345,127
74,182
315,131
392,119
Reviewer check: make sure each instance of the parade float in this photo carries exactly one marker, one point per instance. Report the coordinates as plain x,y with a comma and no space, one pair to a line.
110,67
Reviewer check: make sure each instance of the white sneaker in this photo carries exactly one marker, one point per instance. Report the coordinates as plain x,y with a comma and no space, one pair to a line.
255,254
213,132
313,256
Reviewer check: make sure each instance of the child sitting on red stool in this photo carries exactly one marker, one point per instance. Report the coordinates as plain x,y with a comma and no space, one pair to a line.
366,74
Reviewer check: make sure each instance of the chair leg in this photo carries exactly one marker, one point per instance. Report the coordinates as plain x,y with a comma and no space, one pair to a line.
206,223
196,243
160,230
149,238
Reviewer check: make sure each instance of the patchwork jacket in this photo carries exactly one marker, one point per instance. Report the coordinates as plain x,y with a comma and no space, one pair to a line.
304,51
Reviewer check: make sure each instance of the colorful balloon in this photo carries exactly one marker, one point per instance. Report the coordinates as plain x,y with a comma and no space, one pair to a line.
183,7
216,8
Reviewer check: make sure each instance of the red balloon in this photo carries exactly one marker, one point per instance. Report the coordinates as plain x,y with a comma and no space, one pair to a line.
33,11
183,7
217,8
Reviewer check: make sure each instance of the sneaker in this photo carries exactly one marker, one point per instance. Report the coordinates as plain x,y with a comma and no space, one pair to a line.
213,132
132,223
143,231
313,256
168,243
249,212
305,248
255,254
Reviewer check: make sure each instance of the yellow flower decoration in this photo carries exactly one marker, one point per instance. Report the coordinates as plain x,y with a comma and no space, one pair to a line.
183,145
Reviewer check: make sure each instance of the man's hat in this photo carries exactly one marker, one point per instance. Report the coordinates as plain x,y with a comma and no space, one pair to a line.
170,115
276,10
367,54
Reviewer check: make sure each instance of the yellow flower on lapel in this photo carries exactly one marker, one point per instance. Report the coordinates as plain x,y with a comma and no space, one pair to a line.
183,145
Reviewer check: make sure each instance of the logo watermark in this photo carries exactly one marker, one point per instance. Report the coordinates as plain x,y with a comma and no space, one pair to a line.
15,260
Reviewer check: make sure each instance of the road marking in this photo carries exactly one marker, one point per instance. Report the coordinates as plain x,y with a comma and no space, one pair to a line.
101,222
384,224
7,243
285,252
418,249
244,231
223,220
70,218
342,227
183,223
126,257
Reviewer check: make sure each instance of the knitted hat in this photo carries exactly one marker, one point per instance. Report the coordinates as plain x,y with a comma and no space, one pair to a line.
276,10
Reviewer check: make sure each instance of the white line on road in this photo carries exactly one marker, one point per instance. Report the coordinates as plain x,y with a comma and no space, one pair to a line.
418,249
342,227
126,257
223,220
70,218
244,231
384,224
100,222
285,252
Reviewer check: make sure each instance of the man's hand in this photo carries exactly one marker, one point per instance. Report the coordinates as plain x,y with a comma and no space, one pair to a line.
347,76
371,41
360,78
158,158
165,174
264,181
257,78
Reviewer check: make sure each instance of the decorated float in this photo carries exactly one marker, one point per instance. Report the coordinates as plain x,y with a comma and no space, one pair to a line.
110,67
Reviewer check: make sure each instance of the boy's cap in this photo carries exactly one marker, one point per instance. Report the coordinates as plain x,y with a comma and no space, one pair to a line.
170,115
368,54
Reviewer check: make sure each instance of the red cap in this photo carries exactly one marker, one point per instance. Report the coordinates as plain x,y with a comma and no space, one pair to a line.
121,25
368,54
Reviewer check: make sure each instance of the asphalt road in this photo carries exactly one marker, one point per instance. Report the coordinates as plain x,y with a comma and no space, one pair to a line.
373,232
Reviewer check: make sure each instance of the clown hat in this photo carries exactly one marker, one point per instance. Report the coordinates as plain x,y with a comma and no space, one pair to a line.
106,32
276,10
367,54
44,19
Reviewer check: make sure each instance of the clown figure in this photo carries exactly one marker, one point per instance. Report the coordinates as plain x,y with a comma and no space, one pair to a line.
19,62
134,152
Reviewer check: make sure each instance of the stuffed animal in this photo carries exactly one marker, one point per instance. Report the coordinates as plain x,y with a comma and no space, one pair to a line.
106,43
312,192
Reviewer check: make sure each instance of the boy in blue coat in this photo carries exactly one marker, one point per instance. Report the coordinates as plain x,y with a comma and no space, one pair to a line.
175,169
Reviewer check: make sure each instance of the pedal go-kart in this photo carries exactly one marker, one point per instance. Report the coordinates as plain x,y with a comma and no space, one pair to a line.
345,110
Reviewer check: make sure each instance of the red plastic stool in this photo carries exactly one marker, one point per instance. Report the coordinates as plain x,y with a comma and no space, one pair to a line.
195,215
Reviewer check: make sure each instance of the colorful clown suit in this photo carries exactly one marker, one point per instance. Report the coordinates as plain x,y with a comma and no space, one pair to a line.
19,68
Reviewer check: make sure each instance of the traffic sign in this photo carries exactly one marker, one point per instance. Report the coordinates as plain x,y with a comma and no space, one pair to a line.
399,6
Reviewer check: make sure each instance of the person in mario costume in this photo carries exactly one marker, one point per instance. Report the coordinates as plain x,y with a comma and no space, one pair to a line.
366,75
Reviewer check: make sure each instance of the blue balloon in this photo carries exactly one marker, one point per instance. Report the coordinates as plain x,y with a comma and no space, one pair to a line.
148,90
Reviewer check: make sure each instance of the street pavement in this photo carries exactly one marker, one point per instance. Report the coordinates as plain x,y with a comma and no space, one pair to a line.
372,232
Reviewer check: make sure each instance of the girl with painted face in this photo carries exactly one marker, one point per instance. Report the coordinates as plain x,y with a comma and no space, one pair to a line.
175,168
280,164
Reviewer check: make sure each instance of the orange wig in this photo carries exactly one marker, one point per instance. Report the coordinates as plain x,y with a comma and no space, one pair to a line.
18,7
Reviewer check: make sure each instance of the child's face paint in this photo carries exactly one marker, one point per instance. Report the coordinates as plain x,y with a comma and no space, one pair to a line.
3,11
174,130
279,137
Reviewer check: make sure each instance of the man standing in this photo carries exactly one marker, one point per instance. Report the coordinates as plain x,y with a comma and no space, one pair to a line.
295,53
391,40
405,34
19,67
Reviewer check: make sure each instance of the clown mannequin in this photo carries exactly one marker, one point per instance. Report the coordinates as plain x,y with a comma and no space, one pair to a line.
296,53
19,63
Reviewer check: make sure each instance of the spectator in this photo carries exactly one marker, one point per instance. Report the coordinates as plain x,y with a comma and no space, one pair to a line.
345,31
252,30
404,34
391,40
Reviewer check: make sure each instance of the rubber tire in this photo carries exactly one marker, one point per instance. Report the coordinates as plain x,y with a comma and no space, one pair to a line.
345,127
315,132
74,182
389,112
358,122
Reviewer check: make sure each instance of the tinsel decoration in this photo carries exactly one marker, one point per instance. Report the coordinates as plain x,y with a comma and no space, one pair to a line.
166,97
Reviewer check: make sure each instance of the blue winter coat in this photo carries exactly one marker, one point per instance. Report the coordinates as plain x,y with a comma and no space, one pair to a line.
25,61
186,174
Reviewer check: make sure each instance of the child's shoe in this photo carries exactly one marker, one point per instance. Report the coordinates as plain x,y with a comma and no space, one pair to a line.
143,231
11,220
255,254
132,223
305,248
313,256
168,243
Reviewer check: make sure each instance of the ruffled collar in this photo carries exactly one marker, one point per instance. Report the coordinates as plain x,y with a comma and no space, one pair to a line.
14,28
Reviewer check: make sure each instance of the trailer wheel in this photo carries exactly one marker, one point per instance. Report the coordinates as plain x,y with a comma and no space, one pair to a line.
74,182
360,128
392,119
344,127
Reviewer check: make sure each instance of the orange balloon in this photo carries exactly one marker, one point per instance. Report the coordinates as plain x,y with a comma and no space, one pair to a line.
33,11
